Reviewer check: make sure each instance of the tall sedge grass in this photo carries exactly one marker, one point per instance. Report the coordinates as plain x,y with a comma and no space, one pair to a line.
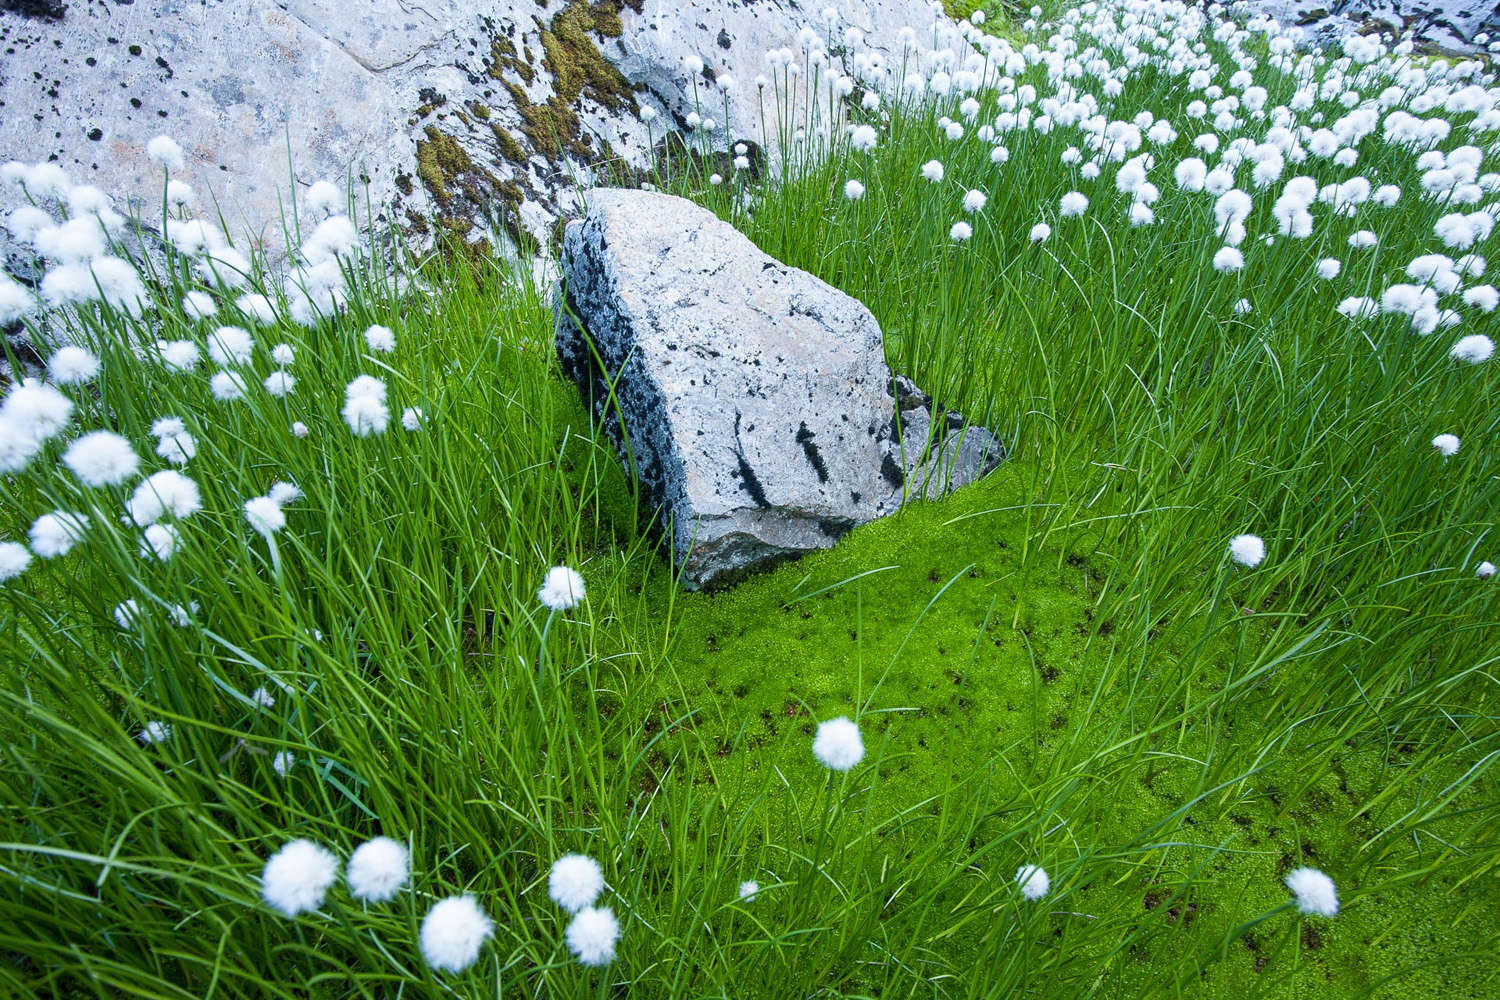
1214,717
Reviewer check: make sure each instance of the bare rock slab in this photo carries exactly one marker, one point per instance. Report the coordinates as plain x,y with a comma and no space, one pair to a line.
750,400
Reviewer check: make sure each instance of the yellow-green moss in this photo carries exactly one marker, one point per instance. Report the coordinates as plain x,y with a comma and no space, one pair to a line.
509,148
440,160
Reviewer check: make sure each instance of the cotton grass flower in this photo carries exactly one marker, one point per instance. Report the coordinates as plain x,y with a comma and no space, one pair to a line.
265,515
592,935
262,698
1247,550
72,366
411,418
102,458
1473,349
280,383
199,305
1040,232
933,171
228,387
1446,445
160,541
15,559
297,877
165,152
378,870
37,410
164,493
960,232
1033,882
562,590
230,345
1227,260
1329,268
853,190
178,355
1484,572
838,745
155,732
380,338
749,889
283,763
575,881
1072,204
453,932
1314,891
54,535
974,201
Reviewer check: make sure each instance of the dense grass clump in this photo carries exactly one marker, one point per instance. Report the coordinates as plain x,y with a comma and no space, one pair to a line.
1102,750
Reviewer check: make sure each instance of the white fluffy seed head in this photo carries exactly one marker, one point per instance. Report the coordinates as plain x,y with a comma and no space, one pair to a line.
366,415
53,535
562,590
453,932
1485,570
749,889
380,338
1314,891
297,877
15,558
838,745
102,458
1446,445
1473,349
265,515
72,365
592,935
1033,881
165,152
1247,550
378,869
575,882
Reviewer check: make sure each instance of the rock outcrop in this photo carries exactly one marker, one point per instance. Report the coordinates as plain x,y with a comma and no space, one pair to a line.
470,116
750,400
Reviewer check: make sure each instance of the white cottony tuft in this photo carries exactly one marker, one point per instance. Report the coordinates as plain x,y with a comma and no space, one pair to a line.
380,338
575,882
1040,232
283,762
265,515
1071,204
102,458
1315,892
837,744
159,541
1247,550
55,534
1228,259
72,365
1033,881
37,410
933,170
960,232
227,386
262,698
453,932
162,493
1484,572
298,876
1446,444
164,151
1329,268
562,590
378,869
1474,348
155,732
280,383
974,201
15,559
411,418
749,889
592,935
853,190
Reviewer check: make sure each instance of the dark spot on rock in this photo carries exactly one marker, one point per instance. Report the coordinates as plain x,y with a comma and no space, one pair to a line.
814,456
134,50
724,40
95,134
891,472
42,10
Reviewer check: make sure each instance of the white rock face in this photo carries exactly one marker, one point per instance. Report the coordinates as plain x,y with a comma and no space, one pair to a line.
428,102
1448,25
758,413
